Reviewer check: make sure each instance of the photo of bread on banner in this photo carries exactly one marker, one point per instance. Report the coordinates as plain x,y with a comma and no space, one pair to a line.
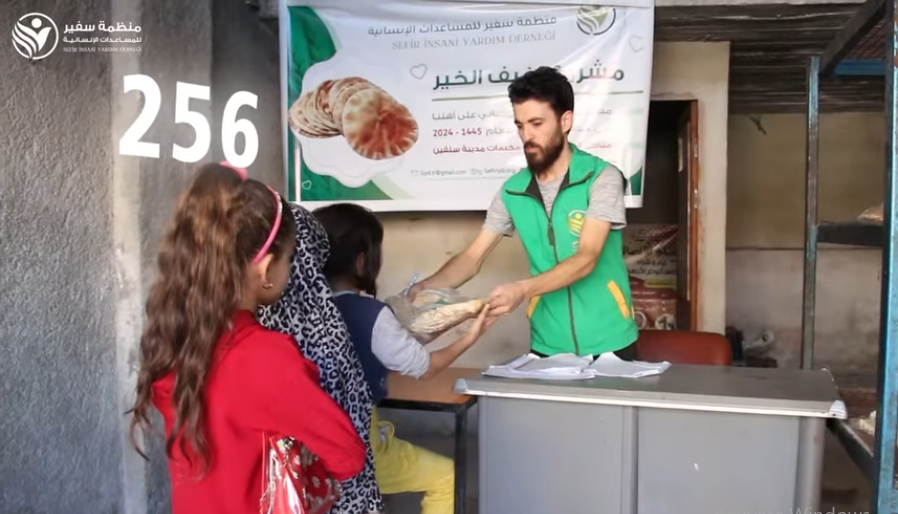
434,311
375,124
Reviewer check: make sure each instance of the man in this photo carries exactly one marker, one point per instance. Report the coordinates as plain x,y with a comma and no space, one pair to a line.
568,207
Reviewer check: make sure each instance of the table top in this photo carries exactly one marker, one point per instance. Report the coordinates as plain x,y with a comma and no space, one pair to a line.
439,389
771,391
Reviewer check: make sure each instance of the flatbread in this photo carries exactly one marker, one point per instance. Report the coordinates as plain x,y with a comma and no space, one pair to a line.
322,108
445,317
307,120
341,91
376,126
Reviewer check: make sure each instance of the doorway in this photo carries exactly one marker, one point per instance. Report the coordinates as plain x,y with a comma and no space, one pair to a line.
661,238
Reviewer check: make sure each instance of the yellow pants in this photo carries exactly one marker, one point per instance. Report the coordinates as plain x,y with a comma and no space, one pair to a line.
401,467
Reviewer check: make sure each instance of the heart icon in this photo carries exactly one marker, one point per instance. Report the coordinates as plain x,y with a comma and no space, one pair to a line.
307,184
418,71
636,44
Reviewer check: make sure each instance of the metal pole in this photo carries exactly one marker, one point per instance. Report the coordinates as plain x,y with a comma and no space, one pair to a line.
887,418
810,211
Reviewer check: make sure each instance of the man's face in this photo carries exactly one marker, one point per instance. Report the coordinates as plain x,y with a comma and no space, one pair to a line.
542,132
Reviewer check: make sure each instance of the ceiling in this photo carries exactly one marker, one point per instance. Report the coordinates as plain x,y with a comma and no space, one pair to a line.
769,50
770,45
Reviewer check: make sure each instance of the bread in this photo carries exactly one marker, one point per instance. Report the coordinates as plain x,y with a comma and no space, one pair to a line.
375,125
445,317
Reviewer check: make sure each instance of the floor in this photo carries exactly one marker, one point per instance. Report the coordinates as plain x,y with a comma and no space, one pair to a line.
844,488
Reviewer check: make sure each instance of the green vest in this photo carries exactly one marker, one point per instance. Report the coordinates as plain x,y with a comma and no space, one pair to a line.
595,314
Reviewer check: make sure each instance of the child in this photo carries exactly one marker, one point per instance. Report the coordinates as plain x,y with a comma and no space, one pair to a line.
355,236
217,376
307,311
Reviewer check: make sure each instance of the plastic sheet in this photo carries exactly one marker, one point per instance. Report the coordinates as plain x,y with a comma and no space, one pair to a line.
434,311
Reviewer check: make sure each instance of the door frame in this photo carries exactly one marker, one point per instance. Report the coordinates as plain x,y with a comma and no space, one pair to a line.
694,213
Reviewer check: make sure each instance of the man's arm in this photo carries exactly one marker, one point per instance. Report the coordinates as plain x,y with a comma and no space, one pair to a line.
593,235
592,240
462,267
606,211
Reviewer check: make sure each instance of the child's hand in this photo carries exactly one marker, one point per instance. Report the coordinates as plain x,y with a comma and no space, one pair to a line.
483,322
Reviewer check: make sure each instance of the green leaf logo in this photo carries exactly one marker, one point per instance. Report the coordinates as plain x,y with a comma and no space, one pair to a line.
595,20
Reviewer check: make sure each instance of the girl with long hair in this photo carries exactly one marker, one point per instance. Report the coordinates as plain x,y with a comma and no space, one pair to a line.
219,378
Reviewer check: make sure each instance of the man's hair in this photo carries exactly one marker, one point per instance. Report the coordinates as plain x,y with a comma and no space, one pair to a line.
546,85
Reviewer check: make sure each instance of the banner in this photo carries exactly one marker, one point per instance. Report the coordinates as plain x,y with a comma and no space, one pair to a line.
650,252
402,105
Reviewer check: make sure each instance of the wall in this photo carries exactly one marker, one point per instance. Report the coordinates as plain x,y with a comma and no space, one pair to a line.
58,371
765,234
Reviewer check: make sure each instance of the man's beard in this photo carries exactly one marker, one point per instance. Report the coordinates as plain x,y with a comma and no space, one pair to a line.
540,161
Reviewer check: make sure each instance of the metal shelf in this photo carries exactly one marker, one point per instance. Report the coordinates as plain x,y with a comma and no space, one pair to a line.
866,45
857,233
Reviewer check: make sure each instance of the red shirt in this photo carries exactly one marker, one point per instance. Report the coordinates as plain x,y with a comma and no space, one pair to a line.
261,383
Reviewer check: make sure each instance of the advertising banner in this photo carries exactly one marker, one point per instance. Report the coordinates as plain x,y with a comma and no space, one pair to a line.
402,105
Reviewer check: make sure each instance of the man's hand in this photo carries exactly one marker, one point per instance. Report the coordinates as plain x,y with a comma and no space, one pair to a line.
413,291
506,298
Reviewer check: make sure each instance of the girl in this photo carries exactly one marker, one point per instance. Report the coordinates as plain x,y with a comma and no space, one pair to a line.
307,311
356,237
217,376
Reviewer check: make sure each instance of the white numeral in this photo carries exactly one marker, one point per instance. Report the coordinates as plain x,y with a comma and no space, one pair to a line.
184,92
130,143
231,126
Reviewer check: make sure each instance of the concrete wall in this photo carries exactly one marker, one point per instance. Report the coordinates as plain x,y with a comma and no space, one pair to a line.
765,234
58,383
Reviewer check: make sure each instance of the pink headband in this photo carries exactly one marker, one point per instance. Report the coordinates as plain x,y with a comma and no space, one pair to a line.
277,219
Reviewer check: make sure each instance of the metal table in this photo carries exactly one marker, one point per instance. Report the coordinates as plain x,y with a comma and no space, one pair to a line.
694,439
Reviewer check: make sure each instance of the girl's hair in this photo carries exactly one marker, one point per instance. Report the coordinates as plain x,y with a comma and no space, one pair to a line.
220,224
352,230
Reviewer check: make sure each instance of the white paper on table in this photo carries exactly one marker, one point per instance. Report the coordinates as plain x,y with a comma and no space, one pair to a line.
557,367
610,365
562,363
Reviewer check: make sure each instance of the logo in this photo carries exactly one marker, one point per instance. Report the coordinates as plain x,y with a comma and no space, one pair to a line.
575,221
35,36
595,20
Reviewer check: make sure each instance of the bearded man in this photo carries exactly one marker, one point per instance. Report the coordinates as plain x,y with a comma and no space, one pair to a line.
568,208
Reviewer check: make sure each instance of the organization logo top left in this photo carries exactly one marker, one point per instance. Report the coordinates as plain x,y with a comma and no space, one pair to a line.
35,36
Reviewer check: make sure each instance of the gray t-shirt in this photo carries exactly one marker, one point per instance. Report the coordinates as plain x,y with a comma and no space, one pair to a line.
606,202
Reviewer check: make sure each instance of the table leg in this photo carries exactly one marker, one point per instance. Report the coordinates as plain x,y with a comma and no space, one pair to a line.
461,458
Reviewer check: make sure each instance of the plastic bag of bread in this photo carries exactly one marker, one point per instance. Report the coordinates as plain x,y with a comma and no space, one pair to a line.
434,311
873,214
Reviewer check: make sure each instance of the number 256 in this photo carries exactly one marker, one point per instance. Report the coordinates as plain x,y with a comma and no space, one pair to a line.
131,144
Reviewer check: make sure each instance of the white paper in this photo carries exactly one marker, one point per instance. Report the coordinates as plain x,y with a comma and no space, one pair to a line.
567,366
610,365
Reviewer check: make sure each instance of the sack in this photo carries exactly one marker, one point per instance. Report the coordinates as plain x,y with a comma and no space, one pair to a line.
434,311
295,479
